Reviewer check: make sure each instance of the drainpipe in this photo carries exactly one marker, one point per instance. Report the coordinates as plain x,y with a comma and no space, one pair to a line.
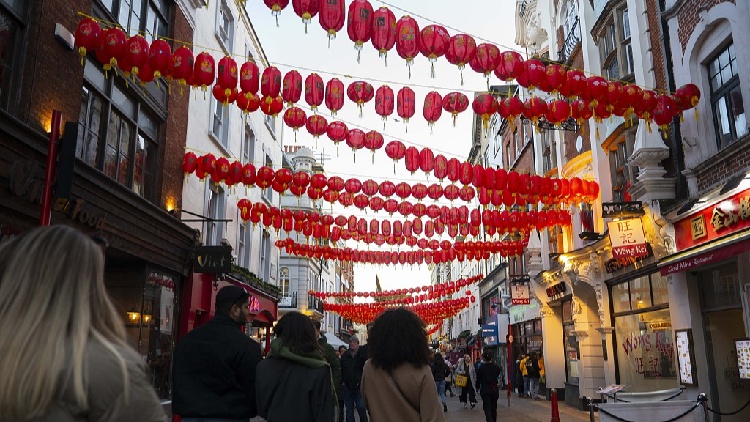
678,154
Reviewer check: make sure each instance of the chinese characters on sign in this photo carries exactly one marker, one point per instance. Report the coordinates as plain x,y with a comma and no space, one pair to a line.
627,238
719,219
698,227
520,294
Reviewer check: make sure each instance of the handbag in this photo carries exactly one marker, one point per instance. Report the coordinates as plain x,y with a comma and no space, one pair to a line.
461,380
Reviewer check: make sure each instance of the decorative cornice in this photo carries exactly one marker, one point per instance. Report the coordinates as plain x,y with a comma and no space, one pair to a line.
577,165
644,156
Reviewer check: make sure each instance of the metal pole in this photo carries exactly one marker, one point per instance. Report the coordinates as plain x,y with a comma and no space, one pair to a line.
49,175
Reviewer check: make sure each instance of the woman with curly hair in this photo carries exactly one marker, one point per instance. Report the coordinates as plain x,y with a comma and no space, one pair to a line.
397,382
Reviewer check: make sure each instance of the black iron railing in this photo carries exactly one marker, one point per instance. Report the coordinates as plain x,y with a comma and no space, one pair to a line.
314,303
289,301
572,39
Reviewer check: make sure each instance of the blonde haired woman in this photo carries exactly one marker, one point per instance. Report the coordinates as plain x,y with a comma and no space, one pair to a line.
64,355
466,368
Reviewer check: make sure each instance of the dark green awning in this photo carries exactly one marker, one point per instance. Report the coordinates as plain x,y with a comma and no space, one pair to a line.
464,333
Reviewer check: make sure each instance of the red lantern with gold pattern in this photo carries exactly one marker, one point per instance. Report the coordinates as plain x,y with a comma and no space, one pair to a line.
360,92
614,96
226,77
466,173
316,125
486,59
598,89
181,66
334,95
295,118
135,55
412,159
189,163
559,111
249,78
433,108
581,111
337,132
484,105
687,97
455,103
395,150
383,31
291,90
426,160
359,23
244,205
264,178
314,91
331,17
373,142
509,108
664,112
204,71
441,167
433,44
461,51
247,102
355,139
276,7
407,40
384,102
112,47
353,185
387,189
645,107
536,74
405,104
88,37
556,77
419,191
534,108
271,106
509,66
270,82
306,9
224,96
160,58
576,84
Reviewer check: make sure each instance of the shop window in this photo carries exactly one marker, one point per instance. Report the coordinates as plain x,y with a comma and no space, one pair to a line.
11,34
621,297
645,351
284,281
615,49
659,289
623,174
117,133
571,353
720,287
726,97
216,212
640,293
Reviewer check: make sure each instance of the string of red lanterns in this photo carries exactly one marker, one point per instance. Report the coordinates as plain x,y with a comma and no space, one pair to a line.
587,97
404,296
430,313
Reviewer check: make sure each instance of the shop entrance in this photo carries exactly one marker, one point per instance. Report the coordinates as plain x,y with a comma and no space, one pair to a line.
723,324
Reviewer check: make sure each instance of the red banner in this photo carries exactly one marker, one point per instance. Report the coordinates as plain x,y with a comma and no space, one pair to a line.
726,217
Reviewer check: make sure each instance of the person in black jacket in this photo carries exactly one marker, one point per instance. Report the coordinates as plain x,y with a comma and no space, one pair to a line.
214,365
487,379
335,362
294,382
352,364
440,371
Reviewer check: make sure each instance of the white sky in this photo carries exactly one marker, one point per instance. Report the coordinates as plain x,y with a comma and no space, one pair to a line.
288,45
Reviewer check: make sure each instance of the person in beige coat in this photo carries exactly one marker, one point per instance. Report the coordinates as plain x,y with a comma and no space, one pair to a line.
397,382
64,354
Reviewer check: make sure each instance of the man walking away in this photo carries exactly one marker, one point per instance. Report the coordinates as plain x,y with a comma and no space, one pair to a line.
532,369
352,364
335,362
440,371
214,365
487,377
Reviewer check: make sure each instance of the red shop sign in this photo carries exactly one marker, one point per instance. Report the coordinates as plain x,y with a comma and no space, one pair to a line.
726,217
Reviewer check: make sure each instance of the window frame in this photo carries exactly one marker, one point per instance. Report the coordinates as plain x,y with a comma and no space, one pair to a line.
549,151
615,49
244,242
219,112
265,255
268,192
249,142
284,282
225,40
215,211
726,92
13,66
619,152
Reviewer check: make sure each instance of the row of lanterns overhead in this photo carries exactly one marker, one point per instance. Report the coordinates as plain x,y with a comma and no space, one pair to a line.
410,295
587,97
432,313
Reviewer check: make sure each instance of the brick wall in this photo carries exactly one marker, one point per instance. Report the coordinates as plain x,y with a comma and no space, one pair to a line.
687,18
725,164
655,41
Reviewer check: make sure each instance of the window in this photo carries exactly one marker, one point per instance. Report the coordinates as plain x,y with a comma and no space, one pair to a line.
220,122
149,17
225,26
248,147
268,192
615,49
216,212
623,174
244,242
284,281
640,293
117,134
265,256
726,97
270,123
549,152
10,36
507,154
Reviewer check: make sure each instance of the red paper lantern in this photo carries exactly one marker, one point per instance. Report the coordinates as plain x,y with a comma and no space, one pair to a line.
405,104
306,9
295,118
664,112
426,160
461,50
316,125
614,96
271,106
509,108
373,141
598,88
160,58
224,96
181,66
291,90
249,78
244,205
276,7
331,17
355,139
395,150
454,170
314,91
112,47
485,105
189,163
334,95
486,59
687,97
412,159
536,74
455,103
384,102
576,84
419,192
88,36
247,102
387,189
581,111
559,111
359,23
222,170
360,92
407,40
510,66
270,82
433,108
557,76
534,108
204,71
433,44
383,31
353,185
466,173
441,167
645,107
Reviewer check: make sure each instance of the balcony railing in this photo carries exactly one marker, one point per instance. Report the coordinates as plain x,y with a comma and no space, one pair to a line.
572,39
314,304
288,301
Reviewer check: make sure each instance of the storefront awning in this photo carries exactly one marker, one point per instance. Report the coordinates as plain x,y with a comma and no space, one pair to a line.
264,318
464,333
705,254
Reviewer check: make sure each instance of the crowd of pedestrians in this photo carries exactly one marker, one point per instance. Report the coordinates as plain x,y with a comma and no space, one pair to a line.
78,365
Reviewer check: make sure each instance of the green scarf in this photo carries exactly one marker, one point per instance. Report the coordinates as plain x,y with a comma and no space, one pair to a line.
313,360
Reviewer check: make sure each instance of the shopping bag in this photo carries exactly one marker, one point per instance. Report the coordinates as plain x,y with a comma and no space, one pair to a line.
461,380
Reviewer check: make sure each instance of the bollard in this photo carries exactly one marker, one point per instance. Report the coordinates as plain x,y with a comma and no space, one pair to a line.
592,417
555,411
703,400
